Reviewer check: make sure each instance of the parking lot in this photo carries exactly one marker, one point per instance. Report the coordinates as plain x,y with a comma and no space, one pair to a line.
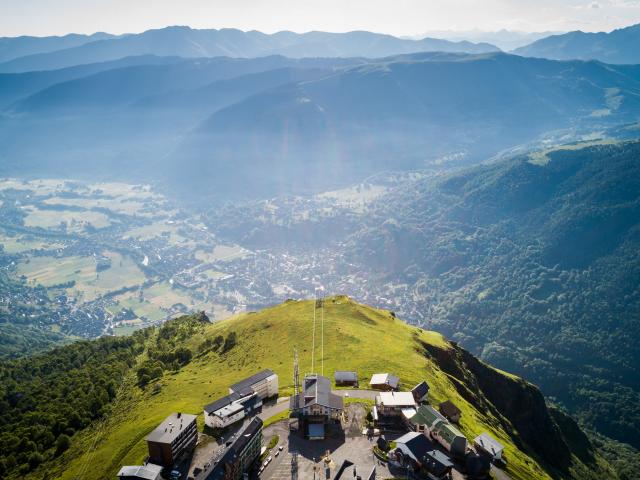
305,459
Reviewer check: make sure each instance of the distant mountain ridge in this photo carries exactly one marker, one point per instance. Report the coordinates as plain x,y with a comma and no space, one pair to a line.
14,47
187,42
621,46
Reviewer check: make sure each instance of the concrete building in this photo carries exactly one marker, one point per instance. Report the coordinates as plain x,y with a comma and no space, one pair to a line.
384,381
231,409
240,455
175,435
140,472
264,384
316,406
488,445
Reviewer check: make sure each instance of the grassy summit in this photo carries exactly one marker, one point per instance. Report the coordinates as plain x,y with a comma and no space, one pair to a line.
357,337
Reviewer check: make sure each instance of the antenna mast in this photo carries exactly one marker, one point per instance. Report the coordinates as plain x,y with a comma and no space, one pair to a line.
296,380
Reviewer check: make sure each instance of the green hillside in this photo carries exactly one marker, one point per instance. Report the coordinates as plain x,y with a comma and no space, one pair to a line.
196,361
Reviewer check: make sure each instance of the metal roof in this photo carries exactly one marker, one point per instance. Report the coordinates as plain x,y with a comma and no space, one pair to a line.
385,379
395,399
221,403
171,427
316,390
245,384
489,443
421,389
149,471
427,415
345,376
417,443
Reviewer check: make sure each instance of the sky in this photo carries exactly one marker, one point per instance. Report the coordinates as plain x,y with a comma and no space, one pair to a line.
396,17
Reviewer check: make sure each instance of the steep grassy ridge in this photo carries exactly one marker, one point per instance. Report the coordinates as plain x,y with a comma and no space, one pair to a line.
356,337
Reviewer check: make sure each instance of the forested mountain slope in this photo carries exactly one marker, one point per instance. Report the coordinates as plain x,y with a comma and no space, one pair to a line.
89,428
533,264
400,113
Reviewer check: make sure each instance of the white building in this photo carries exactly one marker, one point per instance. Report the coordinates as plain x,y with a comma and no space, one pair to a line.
230,409
264,384
489,445
384,381
393,403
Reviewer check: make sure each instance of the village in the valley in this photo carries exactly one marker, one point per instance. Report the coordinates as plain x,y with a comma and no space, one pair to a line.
328,429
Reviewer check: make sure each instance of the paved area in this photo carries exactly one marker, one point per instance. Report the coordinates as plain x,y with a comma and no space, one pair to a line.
302,459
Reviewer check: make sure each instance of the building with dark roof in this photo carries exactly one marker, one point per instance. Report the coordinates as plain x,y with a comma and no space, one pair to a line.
263,383
451,411
316,406
231,409
177,434
240,455
420,392
415,451
345,378
140,472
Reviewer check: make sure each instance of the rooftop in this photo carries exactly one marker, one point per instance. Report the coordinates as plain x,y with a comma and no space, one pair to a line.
245,384
316,389
385,379
489,443
417,443
148,471
345,376
421,389
171,427
427,415
396,399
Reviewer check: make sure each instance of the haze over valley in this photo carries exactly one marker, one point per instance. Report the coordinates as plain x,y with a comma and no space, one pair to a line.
480,184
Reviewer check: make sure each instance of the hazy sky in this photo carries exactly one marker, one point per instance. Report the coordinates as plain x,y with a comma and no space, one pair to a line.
398,17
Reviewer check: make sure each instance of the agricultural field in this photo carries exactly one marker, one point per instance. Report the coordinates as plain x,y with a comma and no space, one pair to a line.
89,283
221,253
20,244
75,220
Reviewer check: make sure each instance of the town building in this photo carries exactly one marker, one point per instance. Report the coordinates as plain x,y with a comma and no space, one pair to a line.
264,384
344,378
426,419
316,406
488,445
240,455
140,472
451,411
394,403
420,392
414,451
450,438
177,434
384,381
231,409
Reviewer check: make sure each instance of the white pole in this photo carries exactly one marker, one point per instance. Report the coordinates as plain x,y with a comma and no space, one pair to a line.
313,342
322,328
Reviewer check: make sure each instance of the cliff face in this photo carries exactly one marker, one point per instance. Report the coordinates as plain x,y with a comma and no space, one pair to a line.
518,405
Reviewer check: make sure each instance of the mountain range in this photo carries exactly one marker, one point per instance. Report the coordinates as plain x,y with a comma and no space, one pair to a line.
276,124
190,43
619,46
